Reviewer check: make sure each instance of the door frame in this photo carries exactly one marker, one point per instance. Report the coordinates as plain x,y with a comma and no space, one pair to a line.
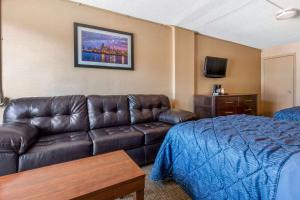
263,75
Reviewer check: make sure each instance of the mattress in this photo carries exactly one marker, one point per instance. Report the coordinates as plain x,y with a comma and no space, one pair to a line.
233,157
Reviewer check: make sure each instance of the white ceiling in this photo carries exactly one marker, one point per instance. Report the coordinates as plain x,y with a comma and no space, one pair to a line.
248,22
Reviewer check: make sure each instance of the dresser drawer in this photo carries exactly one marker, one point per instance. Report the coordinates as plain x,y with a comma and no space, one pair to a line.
227,103
224,112
248,105
248,99
212,106
247,111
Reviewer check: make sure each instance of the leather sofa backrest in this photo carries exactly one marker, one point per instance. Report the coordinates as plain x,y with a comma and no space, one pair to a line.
107,111
147,108
51,115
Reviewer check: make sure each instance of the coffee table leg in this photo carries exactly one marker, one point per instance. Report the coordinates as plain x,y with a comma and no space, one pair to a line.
140,195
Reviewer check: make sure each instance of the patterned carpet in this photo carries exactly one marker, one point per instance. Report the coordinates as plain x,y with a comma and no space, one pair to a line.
160,191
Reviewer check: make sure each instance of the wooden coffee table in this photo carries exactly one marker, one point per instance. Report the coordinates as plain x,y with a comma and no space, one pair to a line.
107,176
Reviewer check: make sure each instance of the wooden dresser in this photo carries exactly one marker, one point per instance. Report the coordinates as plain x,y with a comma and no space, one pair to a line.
206,106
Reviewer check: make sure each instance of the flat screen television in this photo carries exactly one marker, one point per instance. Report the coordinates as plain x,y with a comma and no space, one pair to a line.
215,67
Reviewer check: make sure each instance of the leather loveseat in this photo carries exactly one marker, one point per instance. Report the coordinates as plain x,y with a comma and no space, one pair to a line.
41,131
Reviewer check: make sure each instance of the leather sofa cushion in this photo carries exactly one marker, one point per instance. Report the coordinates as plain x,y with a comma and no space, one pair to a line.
154,131
151,152
17,137
8,163
115,138
176,116
107,111
56,149
137,155
51,115
147,108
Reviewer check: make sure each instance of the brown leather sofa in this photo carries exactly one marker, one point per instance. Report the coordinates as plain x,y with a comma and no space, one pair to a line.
42,131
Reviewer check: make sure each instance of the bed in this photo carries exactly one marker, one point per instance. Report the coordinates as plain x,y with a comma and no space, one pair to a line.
233,157
291,114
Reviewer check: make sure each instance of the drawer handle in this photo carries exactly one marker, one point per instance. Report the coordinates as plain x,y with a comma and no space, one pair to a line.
228,112
248,110
249,100
229,102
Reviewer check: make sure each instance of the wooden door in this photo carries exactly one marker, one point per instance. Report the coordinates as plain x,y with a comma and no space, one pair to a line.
278,83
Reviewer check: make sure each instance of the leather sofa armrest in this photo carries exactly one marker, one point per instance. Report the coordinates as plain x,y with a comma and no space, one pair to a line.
17,137
176,116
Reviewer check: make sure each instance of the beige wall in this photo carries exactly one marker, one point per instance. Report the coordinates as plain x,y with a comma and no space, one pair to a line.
284,50
38,52
184,68
38,56
243,70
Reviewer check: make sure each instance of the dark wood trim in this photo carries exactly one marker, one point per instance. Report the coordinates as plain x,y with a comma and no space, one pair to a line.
76,25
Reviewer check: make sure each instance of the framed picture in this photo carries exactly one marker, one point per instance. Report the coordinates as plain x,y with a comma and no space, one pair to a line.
102,48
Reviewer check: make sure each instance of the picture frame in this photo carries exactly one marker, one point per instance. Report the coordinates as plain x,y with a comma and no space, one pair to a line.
97,47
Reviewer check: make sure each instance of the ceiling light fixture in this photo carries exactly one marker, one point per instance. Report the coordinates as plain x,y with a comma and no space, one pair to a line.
284,13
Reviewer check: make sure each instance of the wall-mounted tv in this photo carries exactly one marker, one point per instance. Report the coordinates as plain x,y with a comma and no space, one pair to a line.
215,67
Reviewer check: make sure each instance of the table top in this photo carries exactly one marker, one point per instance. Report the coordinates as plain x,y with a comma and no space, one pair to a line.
71,179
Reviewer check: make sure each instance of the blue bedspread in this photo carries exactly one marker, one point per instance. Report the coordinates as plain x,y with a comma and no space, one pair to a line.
292,114
235,157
